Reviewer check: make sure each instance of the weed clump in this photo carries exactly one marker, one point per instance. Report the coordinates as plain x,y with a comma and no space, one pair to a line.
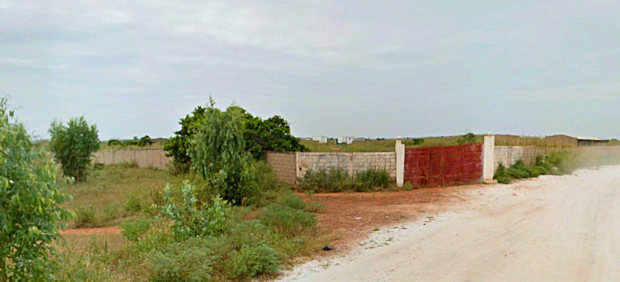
555,163
338,180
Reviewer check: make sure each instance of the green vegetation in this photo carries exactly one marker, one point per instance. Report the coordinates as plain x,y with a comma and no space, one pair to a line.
191,234
556,163
387,145
272,134
338,180
218,154
73,146
114,193
30,194
142,142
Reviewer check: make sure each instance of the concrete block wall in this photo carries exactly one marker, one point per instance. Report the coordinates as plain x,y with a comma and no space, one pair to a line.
509,155
284,166
144,158
350,162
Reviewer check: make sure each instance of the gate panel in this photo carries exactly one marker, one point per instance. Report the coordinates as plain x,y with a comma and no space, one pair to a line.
441,166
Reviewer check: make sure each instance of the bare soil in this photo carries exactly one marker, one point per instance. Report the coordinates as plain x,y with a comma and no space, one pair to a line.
554,228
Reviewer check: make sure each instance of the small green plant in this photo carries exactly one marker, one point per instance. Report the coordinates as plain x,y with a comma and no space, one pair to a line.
286,219
73,146
133,204
195,259
501,175
192,218
407,186
252,261
133,230
85,217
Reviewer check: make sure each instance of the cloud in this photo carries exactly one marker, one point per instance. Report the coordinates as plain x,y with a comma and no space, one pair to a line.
330,67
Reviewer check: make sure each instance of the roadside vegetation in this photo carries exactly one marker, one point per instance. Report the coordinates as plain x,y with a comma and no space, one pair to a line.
554,163
227,218
338,180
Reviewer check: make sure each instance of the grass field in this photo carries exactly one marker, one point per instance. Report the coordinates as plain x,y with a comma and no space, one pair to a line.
116,192
385,145
258,241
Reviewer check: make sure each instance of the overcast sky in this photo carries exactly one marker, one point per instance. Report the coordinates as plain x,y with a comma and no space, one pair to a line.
328,67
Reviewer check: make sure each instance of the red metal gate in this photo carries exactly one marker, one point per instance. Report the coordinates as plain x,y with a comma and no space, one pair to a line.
441,166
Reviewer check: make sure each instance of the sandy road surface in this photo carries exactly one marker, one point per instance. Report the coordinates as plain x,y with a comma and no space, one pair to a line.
554,228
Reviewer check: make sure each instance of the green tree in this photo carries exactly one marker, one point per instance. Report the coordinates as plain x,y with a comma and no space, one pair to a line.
30,194
272,134
219,155
73,146
145,141
177,146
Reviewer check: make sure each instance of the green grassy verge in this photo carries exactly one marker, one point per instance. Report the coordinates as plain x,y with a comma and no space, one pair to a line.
184,233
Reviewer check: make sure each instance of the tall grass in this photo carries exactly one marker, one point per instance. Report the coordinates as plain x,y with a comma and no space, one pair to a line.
338,180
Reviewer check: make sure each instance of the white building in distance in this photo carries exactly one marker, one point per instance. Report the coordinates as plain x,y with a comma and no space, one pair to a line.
320,139
345,139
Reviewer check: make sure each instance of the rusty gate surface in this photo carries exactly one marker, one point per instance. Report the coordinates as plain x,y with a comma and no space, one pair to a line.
442,166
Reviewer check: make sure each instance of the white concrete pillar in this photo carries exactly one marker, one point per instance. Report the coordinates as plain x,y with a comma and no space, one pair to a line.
488,158
400,162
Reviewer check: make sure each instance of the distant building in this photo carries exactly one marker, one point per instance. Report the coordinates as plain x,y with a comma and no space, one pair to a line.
345,139
571,141
320,139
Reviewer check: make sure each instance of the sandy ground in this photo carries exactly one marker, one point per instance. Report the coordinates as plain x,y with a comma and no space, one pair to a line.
554,228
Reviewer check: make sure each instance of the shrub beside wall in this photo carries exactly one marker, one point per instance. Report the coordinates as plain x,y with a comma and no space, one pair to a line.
338,180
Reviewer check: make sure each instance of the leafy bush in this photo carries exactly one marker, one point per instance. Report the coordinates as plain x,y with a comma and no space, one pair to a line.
133,204
145,141
192,218
192,260
332,180
73,146
114,142
272,134
132,230
30,195
218,155
501,175
85,217
518,170
369,179
252,261
338,180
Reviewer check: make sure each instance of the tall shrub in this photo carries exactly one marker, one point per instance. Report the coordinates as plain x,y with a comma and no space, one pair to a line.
30,194
73,146
218,154
272,134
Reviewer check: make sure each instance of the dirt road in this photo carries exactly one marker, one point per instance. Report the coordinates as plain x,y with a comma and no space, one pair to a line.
554,228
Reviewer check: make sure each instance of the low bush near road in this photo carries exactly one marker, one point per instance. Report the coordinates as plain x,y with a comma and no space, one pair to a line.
212,240
555,163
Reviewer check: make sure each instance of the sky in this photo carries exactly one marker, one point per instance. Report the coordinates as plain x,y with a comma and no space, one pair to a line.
335,68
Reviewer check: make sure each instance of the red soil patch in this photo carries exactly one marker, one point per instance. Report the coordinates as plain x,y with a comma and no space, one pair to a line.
352,216
91,231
